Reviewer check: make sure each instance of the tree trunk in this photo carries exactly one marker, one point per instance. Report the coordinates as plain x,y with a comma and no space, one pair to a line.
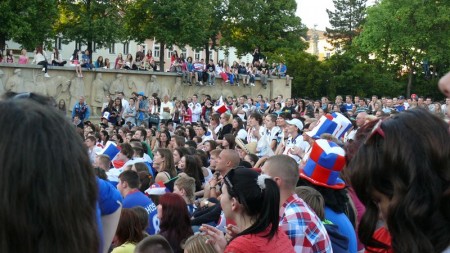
207,53
161,57
2,42
410,77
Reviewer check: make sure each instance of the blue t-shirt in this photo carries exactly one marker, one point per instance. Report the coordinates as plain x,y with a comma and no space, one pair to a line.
109,197
345,227
140,199
348,107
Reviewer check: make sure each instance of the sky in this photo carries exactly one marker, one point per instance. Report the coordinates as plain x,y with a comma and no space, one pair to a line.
313,12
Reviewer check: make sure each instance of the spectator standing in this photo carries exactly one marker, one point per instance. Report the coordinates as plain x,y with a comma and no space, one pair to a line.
81,109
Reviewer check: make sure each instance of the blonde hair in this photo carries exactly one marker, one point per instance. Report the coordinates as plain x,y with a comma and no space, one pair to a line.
313,198
187,183
197,244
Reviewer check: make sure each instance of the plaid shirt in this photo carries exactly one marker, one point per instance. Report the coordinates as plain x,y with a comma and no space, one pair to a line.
303,227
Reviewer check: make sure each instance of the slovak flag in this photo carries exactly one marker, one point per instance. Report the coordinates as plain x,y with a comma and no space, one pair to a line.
335,124
220,106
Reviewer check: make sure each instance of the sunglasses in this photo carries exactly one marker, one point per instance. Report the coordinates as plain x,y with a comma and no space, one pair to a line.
376,130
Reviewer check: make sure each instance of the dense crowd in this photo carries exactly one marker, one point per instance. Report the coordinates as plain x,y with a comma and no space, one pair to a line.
226,175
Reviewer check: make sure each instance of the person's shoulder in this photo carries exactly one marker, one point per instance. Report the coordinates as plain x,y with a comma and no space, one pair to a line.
125,248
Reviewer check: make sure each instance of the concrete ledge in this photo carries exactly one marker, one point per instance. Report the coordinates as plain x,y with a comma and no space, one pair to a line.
97,84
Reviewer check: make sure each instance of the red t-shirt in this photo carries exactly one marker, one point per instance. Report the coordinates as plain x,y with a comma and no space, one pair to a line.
257,243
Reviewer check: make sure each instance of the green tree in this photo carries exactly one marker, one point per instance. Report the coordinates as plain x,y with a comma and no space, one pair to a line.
170,22
263,24
346,21
408,35
27,22
89,21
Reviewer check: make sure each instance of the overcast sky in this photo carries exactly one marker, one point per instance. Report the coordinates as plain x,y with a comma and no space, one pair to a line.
313,12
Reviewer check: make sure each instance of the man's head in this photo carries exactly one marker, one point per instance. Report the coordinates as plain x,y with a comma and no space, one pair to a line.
140,134
103,162
200,130
348,99
389,102
138,149
227,160
185,187
255,119
283,170
214,156
361,119
120,95
270,121
81,99
128,180
90,141
126,152
444,85
195,97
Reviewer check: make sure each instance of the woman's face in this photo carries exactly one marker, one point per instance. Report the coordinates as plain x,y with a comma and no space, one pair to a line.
158,160
62,102
225,143
225,202
182,163
176,157
277,106
163,137
281,121
102,136
119,55
120,132
247,159
117,102
241,152
235,124
129,137
207,146
173,143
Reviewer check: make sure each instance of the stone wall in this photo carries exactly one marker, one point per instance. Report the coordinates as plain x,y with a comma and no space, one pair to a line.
95,85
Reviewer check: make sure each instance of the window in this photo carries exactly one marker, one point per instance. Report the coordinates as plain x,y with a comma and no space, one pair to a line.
126,47
170,51
197,55
156,49
183,52
211,52
58,43
94,47
328,55
112,48
78,45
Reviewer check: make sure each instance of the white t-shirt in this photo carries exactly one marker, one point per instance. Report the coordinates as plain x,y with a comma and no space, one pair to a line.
295,142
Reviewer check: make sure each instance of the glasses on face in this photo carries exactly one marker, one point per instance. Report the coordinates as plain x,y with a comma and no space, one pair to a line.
376,130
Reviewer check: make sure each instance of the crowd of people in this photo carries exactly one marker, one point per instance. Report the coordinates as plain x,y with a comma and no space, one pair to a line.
226,175
194,72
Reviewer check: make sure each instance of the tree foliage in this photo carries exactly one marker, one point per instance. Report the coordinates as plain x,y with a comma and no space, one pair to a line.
170,22
89,21
407,35
346,21
266,24
27,22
